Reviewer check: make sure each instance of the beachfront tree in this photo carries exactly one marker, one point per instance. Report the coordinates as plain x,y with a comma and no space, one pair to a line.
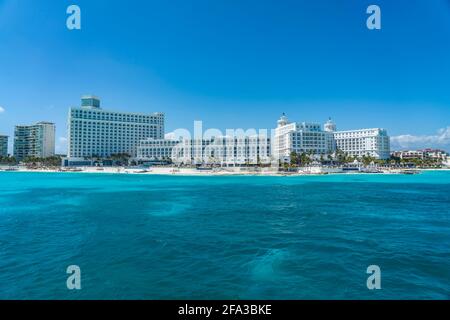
54,161
367,160
304,159
330,157
341,156
120,158
8,160
415,162
32,161
168,160
294,158
96,158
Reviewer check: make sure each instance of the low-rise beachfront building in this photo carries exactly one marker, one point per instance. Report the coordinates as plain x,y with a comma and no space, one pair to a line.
435,154
3,146
77,162
223,150
300,138
421,154
94,132
156,149
408,154
364,142
36,140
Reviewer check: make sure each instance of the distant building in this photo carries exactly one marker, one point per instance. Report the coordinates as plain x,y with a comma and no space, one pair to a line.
409,154
364,142
421,154
435,154
94,132
36,140
300,138
223,150
3,146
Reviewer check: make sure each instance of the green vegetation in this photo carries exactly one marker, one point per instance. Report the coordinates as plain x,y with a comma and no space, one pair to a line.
54,161
120,159
8,161
342,158
301,159
417,162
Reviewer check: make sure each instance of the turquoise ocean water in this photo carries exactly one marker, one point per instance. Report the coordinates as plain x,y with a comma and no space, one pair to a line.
174,237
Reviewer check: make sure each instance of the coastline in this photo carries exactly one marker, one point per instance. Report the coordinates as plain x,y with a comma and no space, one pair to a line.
192,171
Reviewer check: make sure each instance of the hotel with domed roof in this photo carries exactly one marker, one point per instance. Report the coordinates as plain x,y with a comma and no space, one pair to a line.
311,139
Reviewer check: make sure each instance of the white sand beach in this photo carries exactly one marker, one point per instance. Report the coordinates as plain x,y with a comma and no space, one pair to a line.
188,171
150,171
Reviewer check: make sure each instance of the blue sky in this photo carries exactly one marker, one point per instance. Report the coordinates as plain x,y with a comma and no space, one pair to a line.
232,63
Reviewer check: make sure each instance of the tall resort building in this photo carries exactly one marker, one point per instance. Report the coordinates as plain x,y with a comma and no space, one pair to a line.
361,142
94,132
36,140
364,142
3,146
300,138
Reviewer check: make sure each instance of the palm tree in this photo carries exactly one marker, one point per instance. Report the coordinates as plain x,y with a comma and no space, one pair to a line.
120,158
54,161
330,157
304,159
294,158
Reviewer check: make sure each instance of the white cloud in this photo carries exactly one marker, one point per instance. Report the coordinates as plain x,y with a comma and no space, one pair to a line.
61,145
440,140
2,109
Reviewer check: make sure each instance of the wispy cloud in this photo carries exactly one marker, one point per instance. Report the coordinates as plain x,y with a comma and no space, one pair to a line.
440,140
2,109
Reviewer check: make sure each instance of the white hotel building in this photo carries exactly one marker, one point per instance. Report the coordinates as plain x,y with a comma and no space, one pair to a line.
310,138
300,138
94,132
156,149
364,142
224,150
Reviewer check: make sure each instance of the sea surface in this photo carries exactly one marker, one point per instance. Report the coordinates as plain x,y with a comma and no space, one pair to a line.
232,237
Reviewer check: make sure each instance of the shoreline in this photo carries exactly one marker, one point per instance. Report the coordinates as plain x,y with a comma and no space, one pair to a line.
168,171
